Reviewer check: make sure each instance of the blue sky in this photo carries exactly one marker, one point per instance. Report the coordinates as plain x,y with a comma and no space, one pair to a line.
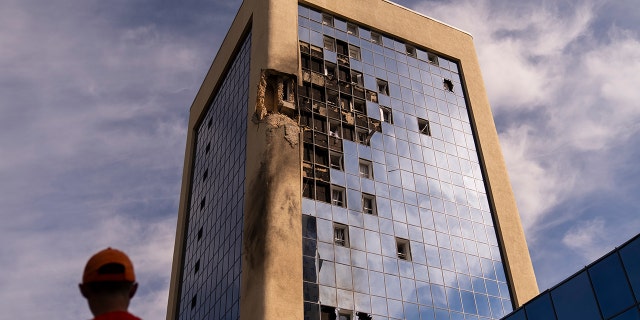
94,99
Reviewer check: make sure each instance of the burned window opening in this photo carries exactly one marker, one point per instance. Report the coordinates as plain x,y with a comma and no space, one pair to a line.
342,48
360,106
316,52
330,70
334,129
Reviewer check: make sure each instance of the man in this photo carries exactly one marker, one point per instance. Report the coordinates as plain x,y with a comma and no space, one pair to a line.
108,284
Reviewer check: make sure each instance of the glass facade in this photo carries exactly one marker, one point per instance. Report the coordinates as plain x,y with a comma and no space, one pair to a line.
606,290
210,284
396,221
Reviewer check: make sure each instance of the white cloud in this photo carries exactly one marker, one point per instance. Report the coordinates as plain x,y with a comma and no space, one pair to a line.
587,238
571,95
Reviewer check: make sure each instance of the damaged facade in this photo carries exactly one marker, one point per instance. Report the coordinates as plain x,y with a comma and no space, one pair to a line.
333,171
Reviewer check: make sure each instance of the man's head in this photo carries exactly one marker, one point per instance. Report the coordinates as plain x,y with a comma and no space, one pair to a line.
108,282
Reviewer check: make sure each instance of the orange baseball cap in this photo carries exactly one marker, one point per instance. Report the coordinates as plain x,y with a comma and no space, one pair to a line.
109,265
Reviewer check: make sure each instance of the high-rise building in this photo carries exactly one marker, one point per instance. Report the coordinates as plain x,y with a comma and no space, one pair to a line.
342,163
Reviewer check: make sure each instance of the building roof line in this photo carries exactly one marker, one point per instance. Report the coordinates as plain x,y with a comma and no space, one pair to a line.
426,16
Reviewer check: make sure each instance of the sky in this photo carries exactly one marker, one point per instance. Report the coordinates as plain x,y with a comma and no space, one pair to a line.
94,100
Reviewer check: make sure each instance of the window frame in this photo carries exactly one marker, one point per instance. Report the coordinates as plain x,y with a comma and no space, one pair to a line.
373,210
342,202
340,235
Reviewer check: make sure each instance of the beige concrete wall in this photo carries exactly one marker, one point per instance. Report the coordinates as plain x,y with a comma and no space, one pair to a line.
445,40
272,247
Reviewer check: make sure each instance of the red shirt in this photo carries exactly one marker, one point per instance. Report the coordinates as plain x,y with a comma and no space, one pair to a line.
117,315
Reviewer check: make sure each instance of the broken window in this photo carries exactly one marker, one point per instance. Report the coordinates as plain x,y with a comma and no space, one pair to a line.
342,47
334,129
316,52
329,43
330,70
354,52
322,191
304,47
386,115
319,124
347,132
307,152
352,29
345,103
360,106
307,188
403,249
317,93
423,126
411,51
305,62
433,59
332,98
372,96
343,74
366,170
327,313
336,160
321,156
327,20
337,196
356,78
340,235
363,136
448,85
344,316
363,316
383,86
369,204
316,65
376,38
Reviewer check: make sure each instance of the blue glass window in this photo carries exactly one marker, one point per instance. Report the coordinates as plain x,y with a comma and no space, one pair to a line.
540,308
574,299
610,285
631,259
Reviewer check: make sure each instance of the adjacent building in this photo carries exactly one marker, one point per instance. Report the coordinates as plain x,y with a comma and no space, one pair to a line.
607,289
342,163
